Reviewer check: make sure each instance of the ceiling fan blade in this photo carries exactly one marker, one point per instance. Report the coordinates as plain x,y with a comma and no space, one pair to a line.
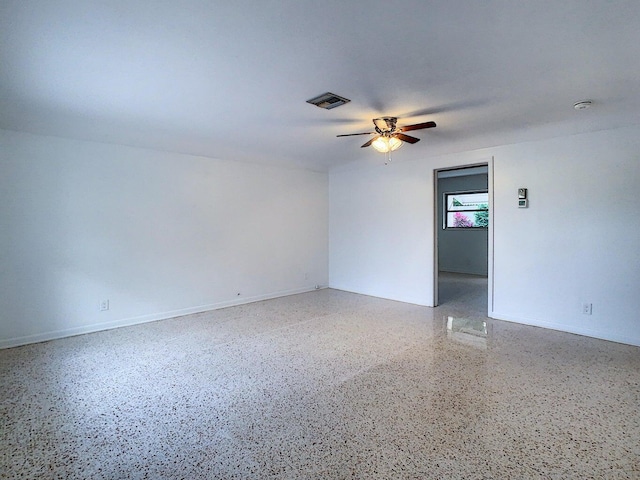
352,134
406,138
369,142
417,126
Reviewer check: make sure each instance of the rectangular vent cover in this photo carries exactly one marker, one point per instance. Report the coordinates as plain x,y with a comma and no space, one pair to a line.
328,101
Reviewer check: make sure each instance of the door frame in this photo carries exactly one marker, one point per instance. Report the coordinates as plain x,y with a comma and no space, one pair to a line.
490,247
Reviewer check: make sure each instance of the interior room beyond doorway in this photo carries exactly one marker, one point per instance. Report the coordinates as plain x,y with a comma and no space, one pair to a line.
462,235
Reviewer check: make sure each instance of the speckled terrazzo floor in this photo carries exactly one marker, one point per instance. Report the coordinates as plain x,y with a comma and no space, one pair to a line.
324,385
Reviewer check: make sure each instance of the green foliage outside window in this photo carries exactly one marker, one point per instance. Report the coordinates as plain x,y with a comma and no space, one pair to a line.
482,216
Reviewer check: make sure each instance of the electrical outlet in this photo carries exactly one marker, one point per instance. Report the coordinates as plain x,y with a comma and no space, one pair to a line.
104,305
587,308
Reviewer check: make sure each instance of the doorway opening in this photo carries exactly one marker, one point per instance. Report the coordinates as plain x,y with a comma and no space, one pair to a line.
462,238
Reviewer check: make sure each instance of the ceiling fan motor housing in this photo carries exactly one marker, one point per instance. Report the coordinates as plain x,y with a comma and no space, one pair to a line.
385,125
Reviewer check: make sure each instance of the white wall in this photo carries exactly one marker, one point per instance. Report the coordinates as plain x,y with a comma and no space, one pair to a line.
158,234
381,231
578,242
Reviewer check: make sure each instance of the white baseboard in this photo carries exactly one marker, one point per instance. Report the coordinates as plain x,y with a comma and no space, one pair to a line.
412,301
127,322
587,332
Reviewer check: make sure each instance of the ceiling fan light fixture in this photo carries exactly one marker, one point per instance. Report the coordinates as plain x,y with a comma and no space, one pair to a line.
386,144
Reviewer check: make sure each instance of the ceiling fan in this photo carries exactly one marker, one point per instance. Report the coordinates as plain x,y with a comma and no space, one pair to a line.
389,137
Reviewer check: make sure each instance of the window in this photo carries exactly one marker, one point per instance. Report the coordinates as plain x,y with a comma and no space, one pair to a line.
466,209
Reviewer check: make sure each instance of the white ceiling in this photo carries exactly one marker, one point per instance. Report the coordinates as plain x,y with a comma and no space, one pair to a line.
230,79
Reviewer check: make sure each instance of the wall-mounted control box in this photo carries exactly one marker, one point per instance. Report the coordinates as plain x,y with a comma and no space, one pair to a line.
523,201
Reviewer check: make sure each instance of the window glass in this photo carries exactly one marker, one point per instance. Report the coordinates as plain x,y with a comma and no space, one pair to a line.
466,210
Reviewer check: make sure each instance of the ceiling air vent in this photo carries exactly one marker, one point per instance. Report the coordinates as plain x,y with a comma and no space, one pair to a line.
328,101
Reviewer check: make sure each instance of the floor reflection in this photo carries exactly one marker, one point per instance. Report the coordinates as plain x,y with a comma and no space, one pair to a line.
460,394
468,331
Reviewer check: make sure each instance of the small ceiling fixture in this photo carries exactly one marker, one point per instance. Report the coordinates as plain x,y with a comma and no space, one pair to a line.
328,101
582,105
